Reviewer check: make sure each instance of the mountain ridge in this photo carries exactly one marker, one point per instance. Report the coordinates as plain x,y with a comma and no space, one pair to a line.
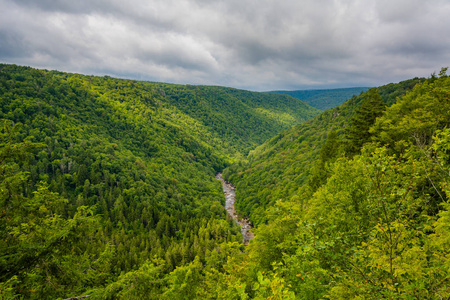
324,99
292,153
109,174
107,190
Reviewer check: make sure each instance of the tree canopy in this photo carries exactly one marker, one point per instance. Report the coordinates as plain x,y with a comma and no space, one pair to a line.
107,191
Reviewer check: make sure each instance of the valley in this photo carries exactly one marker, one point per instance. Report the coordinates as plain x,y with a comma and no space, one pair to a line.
124,189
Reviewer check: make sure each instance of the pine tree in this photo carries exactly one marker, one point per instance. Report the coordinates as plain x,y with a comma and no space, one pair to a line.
372,107
328,154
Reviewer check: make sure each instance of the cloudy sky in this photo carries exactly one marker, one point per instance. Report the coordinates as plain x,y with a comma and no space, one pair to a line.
252,44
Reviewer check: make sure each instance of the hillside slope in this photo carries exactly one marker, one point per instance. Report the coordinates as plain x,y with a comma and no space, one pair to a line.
279,167
377,225
239,120
107,190
100,176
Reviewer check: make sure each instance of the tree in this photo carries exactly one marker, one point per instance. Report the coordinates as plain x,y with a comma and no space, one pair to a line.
328,154
35,239
358,134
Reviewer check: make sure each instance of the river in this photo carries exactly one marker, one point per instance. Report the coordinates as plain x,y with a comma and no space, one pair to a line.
230,199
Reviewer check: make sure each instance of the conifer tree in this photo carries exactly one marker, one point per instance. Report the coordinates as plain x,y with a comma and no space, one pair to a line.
372,107
328,154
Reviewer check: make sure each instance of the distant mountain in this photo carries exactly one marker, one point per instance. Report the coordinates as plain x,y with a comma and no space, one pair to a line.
325,99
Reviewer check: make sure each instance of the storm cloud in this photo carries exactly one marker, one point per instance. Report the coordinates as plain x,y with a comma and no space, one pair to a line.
251,44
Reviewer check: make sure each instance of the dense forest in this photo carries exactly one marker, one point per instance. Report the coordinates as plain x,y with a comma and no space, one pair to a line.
107,191
354,203
277,168
325,99
102,176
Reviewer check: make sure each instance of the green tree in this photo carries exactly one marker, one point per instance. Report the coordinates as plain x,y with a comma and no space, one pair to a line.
415,118
148,282
328,153
35,238
358,134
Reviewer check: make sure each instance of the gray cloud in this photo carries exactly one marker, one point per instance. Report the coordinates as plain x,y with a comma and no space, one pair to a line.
258,45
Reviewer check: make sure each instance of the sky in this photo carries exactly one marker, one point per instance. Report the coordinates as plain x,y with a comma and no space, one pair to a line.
258,45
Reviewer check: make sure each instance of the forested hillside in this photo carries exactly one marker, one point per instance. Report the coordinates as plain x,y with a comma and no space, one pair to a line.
283,164
240,120
325,99
107,191
370,221
102,176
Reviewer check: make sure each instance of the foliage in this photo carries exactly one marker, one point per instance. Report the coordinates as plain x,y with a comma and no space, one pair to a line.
279,168
107,189
358,134
377,225
240,120
100,175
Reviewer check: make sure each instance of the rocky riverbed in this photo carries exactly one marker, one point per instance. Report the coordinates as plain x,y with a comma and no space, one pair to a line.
230,197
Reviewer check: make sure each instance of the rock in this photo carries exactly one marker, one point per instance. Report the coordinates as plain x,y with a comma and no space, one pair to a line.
230,198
